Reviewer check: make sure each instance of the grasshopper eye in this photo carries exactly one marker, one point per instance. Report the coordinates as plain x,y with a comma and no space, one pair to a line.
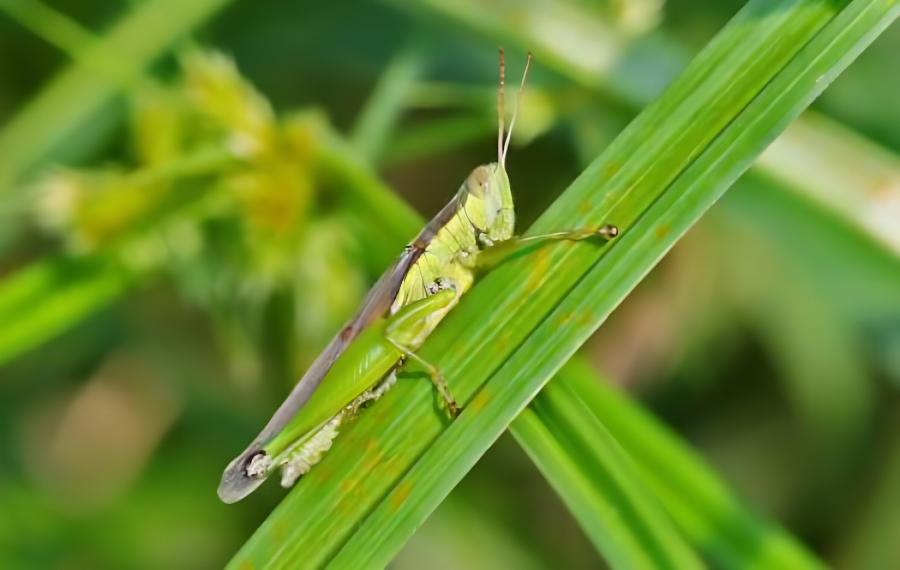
478,181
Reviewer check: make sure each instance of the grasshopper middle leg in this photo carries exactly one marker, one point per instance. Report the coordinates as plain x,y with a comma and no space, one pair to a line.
440,383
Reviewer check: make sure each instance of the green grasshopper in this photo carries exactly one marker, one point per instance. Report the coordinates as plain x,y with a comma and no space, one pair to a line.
473,232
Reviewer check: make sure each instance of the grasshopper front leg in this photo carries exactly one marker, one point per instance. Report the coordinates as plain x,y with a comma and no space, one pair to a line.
499,252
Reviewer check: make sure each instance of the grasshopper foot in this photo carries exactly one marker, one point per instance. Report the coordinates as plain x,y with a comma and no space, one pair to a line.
608,231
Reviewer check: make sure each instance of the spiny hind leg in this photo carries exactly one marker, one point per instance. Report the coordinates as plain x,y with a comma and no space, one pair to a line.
503,250
440,383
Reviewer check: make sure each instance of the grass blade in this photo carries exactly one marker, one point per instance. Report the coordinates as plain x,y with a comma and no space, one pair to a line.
70,105
599,484
528,317
395,518
851,176
48,296
374,123
701,505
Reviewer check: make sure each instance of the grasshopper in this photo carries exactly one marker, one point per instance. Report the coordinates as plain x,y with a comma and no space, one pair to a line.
473,232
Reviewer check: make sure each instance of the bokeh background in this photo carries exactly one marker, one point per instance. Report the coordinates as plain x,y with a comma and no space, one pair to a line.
181,231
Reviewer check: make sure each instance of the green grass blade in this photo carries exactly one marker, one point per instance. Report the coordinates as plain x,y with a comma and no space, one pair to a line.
373,126
833,166
599,484
539,32
370,493
48,296
68,36
455,451
69,107
699,502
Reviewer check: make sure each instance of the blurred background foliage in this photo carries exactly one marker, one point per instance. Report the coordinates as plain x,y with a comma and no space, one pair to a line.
186,198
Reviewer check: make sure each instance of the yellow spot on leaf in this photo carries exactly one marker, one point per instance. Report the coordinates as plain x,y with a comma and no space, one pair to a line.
541,265
480,400
611,169
400,494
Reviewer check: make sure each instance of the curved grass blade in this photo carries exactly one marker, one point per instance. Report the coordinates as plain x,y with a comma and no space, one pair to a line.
853,177
74,98
716,523
373,126
48,296
549,345
599,483
659,176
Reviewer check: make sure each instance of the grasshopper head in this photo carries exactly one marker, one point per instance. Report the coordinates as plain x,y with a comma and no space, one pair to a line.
488,202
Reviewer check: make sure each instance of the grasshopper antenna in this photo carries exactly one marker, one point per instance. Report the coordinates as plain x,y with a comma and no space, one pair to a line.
501,111
512,121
